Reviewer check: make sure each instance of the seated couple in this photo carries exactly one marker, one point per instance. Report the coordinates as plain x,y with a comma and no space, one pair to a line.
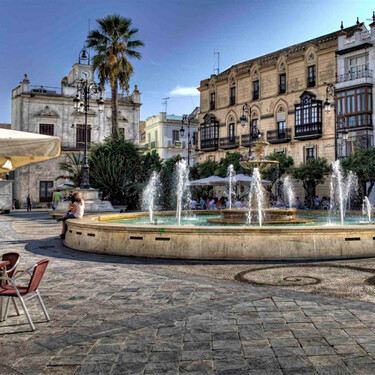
76,211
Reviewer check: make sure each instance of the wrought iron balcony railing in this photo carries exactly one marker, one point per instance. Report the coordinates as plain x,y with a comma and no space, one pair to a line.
361,71
278,136
229,142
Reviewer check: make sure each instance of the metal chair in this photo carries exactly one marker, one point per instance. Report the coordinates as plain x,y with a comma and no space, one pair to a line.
11,289
13,258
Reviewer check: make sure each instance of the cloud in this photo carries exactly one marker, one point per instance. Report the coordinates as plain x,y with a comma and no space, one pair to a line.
184,91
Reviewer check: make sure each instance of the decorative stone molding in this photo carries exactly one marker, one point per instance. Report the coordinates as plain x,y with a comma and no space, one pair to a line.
47,112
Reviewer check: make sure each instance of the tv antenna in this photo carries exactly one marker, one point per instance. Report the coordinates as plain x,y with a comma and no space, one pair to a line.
217,70
165,102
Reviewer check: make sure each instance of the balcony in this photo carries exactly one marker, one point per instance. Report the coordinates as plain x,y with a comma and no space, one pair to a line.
153,144
209,144
74,146
277,136
229,142
245,139
359,72
308,131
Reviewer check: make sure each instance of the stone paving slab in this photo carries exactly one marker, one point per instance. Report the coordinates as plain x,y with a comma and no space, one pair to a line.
113,315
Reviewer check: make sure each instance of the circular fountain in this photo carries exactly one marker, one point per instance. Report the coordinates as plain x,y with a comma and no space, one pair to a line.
259,212
253,234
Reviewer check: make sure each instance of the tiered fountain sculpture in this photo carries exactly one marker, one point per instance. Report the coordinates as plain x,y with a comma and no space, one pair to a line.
259,211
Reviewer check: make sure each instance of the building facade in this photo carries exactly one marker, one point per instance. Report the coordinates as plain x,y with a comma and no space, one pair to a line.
284,92
354,89
163,134
49,111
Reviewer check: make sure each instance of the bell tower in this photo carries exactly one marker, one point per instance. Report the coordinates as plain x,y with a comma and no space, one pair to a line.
83,69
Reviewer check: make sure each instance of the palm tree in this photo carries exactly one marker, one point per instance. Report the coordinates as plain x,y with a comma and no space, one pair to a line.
114,44
73,167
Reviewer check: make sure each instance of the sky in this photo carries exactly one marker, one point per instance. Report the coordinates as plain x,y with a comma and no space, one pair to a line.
43,38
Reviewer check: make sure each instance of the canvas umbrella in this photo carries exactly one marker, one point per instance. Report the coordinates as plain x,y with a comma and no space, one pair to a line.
20,148
208,181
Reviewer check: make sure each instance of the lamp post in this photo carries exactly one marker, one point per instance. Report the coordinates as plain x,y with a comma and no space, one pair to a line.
81,102
243,120
339,117
186,121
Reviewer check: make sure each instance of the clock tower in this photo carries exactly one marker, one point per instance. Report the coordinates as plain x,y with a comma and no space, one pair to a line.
81,70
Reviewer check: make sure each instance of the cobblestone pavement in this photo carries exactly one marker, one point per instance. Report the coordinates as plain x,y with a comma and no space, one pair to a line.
113,315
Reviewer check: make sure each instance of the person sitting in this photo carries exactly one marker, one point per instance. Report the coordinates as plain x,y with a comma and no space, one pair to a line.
316,203
77,209
238,204
193,204
202,204
211,204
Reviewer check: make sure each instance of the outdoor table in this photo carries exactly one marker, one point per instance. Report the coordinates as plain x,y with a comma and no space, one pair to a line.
3,265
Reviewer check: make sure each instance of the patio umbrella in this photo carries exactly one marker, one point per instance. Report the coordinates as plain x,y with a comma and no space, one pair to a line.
20,148
69,185
208,181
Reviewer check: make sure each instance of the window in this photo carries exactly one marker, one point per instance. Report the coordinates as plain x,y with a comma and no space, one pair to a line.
232,131
212,100
357,65
209,133
308,112
194,139
311,76
254,127
44,194
232,96
256,90
175,135
80,136
282,83
356,105
309,153
281,127
46,129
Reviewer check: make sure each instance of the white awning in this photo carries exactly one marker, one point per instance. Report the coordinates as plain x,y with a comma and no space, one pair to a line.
20,148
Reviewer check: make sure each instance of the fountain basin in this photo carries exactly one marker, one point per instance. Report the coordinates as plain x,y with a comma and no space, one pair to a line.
99,234
270,216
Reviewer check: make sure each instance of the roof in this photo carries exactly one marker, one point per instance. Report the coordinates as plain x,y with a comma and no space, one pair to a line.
273,56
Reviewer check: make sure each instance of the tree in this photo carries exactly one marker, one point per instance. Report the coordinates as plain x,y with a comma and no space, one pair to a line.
362,163
276,172
312,173
114,44
152,162
73,167
232,158
202,170
116,169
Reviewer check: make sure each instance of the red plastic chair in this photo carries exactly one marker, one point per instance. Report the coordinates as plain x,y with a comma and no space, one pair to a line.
13,258
13,290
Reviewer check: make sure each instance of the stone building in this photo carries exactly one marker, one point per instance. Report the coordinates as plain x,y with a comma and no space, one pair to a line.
49,110
285,90
163,134
354,89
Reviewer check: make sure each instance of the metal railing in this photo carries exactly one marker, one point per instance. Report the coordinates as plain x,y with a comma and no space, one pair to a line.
47,90
361,71
277,136
245,139
229,142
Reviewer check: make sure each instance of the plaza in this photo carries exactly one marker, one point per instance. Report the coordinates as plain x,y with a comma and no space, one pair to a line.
116,315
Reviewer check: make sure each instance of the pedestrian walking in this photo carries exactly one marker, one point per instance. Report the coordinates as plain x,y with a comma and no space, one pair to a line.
29,202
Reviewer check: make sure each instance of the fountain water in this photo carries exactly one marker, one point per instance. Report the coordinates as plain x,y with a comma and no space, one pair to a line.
288,191
150,195
341,188
231,184
367,209
183,191
256,189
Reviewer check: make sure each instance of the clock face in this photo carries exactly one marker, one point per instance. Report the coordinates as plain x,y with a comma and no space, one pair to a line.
86,74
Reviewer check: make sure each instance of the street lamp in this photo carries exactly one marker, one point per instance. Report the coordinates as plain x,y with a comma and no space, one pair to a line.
186,121
243,121
81,103
339,117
